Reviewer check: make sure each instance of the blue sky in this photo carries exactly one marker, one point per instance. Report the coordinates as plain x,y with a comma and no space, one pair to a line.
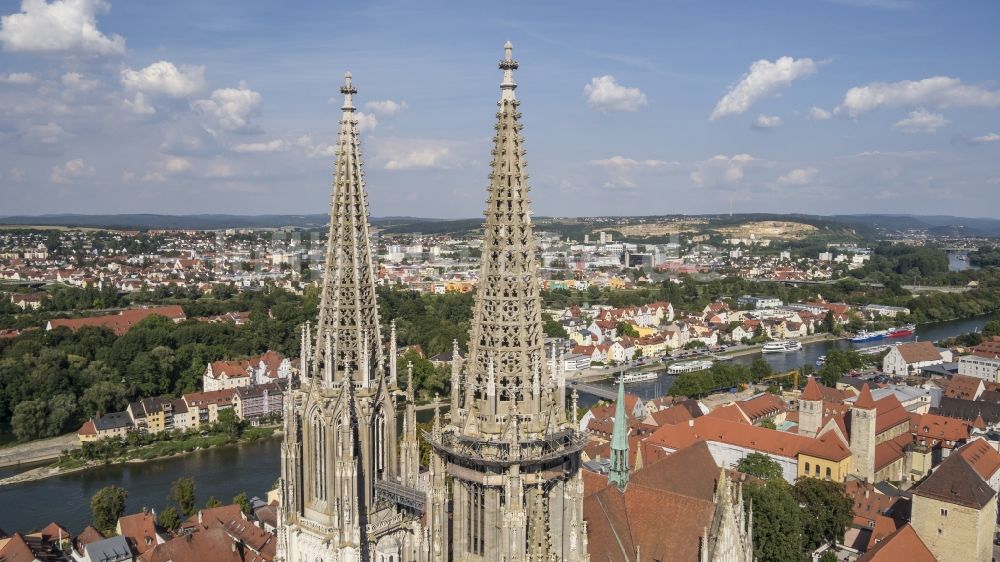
634,108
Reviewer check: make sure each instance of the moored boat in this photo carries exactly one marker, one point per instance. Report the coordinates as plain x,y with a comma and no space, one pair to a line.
866,336
781,346
688,367
902,331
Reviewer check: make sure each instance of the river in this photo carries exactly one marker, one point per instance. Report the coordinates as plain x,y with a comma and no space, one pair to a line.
253,467
221,472
782,362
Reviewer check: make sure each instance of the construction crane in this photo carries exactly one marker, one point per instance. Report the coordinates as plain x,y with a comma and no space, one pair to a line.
794,373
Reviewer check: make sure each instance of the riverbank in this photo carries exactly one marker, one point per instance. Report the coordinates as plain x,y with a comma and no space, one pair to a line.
34,452
61,468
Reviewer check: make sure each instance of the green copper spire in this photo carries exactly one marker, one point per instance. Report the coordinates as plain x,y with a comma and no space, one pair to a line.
619,440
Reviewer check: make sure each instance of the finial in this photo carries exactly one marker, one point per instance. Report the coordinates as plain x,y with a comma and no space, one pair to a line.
508,65
348,90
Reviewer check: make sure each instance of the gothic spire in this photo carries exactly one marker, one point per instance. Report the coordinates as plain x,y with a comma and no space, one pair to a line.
619,440
506,335
348,314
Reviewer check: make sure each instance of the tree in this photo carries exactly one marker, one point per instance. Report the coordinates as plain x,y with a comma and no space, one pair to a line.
212,502
30,420
829,556
103,397
827,510
169,518
777,522
760,368
759,465
228,424
552,328
107,505
183,494
244,503
625,329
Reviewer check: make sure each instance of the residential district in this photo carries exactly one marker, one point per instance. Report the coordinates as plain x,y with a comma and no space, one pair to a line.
894,460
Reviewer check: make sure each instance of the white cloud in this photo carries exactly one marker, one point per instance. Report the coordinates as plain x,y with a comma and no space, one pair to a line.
61,26
764,79
49,133
366,121
73,169
176,165
720,169
939,91
276,145
798,176
18,78
763,122
315,150
219,170
622,162
989,137
921,121
385,108
232,108
623,172
16,174
606,94
77,81
163,78
819,114
424,157
138,105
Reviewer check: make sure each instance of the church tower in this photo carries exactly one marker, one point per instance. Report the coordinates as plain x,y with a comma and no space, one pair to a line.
810,409
618,474
863,435
513,455
339,451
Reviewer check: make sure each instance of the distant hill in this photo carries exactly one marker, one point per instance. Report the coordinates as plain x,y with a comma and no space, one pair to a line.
866,225
190,222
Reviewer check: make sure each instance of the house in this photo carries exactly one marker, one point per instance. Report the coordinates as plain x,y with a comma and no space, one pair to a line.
261,400
908,358
204,407
902,544
110,425
27,300
152,415
269,367
141,531
114,549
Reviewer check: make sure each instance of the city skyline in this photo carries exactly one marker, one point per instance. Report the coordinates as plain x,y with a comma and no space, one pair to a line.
831,107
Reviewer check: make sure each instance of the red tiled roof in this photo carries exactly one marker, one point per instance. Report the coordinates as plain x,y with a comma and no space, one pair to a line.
708,428
811,391
122,322
982,457
140,531
865,399
828,446
903,544
919,352
888,452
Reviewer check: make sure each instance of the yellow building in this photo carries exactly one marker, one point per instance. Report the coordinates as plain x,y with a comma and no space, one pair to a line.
828,457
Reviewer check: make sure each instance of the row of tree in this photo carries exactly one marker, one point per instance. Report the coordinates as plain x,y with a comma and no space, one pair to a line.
107,505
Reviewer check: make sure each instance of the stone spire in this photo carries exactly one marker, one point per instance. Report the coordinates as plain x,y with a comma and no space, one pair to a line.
507,323
619,440
348,314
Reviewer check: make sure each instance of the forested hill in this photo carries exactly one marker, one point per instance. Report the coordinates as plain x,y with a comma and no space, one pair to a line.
869,226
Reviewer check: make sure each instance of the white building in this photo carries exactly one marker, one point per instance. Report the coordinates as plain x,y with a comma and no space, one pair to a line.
908,358
986,368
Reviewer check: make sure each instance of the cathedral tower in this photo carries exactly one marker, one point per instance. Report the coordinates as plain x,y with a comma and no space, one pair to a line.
513,455
339,448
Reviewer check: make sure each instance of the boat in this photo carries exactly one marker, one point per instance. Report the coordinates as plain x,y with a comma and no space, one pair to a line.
902,331
866,336
782,346
688,367
638,377
821,360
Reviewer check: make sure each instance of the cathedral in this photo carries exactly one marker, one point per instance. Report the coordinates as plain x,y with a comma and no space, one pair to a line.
504,481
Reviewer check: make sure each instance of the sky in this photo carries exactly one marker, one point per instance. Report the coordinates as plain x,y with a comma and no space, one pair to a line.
638,108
